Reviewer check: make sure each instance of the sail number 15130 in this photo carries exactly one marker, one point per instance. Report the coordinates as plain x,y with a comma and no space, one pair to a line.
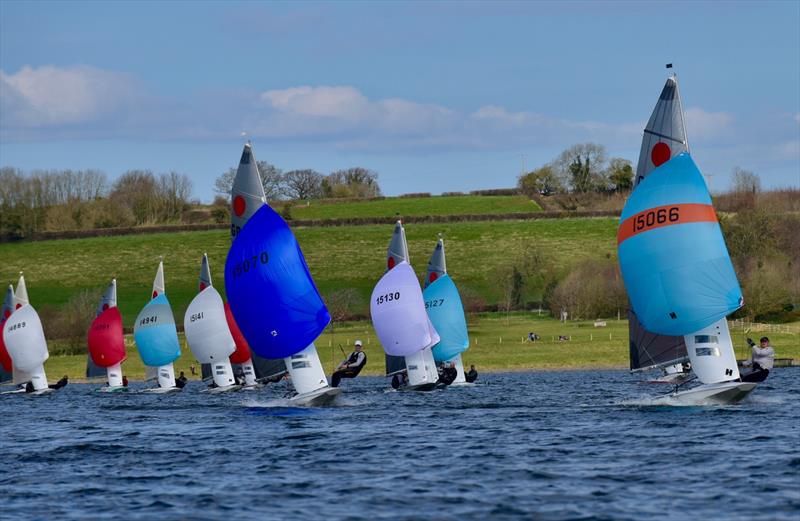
388,297
653,217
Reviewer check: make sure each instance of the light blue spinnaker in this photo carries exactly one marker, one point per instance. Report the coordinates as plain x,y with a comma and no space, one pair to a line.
672,255
155,334
270,290
446,313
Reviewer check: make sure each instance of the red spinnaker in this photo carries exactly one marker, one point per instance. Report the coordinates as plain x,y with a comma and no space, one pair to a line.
106,342
5,358
242,353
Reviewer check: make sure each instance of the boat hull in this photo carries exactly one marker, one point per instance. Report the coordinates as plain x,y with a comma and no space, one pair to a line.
160,390
253,387
115,389
323,396
225,389
421,387
724,393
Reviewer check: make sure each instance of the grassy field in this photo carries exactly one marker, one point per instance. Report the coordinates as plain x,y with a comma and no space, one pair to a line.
408,206
497,343
338,257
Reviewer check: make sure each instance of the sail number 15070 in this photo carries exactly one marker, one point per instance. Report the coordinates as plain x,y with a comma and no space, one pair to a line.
389,297
660,216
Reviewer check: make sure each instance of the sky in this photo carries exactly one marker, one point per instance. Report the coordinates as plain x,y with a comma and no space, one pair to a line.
433,96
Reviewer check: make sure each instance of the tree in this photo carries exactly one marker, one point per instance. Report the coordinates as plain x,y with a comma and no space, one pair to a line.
745,181
620,174
353,182
542,181
582,167
175,190
303,184
138,191
271,178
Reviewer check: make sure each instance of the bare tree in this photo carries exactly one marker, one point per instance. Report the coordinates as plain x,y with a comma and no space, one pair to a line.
303,184
582,167
271,177
745,181
352,182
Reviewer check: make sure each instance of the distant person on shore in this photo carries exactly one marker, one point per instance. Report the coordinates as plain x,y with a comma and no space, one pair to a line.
180,382
61,383
448,373
472,375
193,369
762,359
533,337
351,366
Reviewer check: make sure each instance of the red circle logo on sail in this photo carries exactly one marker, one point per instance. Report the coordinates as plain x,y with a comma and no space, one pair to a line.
7,314
660,154
155,294
239,205
390,262
433,276
18,306
202,286
105,306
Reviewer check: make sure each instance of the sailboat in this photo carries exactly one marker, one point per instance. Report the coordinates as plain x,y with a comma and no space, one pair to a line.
6,369
157,338
106,340
24,340
274,301
676,267
398,315
446,313
207,332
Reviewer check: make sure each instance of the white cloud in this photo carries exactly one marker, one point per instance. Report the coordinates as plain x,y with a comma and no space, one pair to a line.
702,125
52,96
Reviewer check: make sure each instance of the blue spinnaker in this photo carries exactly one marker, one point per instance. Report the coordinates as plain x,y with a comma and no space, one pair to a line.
155,334
672,255
446,312
270,291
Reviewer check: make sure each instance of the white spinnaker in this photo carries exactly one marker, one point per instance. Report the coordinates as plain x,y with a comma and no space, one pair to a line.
24,339
206,328
398,312
665,133
711,353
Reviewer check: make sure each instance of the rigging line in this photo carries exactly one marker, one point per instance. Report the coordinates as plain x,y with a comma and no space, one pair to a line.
665,136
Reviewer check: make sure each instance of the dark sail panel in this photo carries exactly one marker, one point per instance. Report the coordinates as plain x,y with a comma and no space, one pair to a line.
93,370
5,376
395,364
650,350
268,367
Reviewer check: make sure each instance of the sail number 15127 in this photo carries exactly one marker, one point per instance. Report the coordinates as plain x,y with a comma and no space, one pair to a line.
653,217
388,297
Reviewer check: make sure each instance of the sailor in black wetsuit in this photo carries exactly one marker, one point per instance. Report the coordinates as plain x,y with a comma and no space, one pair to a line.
447,373
350,367
61,383
472,375
180,382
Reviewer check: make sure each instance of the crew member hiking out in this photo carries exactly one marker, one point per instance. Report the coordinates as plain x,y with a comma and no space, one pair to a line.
762,358
350,367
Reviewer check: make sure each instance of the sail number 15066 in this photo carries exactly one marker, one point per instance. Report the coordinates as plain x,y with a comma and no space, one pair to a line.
389,297
660,216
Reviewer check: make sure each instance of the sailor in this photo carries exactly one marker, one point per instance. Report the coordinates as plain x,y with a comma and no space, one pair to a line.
762,359
124,381
472,375
61,383
180,381
447,373
350,367
399,380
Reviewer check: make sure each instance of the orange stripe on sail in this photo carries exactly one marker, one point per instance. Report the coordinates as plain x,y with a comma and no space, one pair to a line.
662,216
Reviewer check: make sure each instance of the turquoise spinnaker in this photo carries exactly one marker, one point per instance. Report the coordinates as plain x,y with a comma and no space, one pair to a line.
270,290
672,255
446,313
155,334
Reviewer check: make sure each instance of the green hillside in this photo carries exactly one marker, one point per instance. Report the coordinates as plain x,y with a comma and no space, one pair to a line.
417,206
339,257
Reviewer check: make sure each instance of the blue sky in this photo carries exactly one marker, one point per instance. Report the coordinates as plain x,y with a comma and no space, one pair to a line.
433,96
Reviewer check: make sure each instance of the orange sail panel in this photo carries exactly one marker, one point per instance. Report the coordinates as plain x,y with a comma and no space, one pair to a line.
106,342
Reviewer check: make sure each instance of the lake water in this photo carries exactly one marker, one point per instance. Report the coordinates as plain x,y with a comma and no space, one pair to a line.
548,445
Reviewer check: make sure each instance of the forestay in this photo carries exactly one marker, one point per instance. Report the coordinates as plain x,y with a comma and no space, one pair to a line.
155,334
672,255
398,312
270,291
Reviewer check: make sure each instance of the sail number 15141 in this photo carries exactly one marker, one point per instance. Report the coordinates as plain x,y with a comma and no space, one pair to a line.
653,217
388,297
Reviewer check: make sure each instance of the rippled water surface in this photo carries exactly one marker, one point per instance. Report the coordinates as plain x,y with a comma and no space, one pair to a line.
551,445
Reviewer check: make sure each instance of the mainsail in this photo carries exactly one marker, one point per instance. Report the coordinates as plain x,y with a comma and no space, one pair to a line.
206,329
155,334
665,133
650,350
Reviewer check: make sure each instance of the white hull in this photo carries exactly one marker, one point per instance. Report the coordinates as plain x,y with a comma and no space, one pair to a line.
253,387
225,389
723,393
15,391
114,389
160,390
323,396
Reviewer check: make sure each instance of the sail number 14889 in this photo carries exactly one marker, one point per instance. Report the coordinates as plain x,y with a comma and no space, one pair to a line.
387,298
660,216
